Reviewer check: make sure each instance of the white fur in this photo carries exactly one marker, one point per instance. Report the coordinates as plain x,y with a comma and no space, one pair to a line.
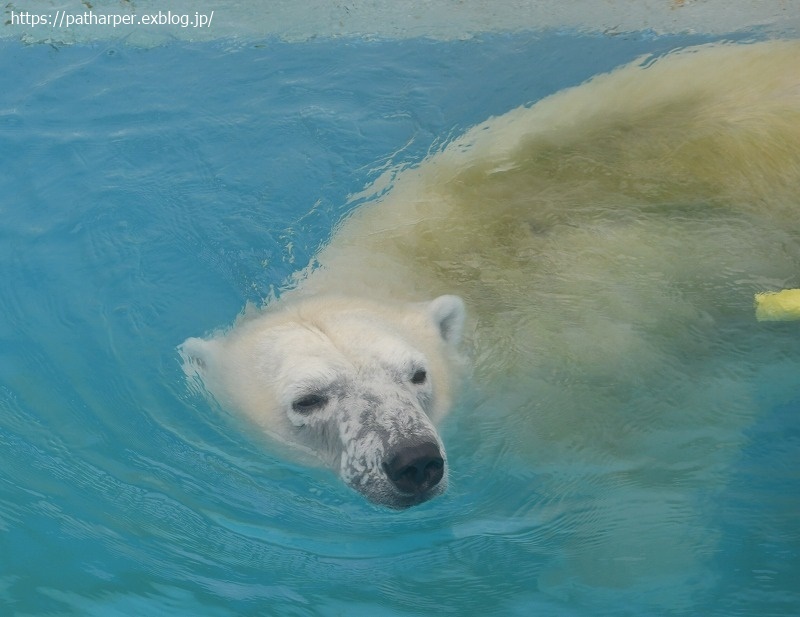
604,240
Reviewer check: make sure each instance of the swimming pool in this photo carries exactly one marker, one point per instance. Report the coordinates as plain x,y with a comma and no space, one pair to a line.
152,187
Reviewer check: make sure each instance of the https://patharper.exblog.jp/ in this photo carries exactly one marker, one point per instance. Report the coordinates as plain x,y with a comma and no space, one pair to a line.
64,19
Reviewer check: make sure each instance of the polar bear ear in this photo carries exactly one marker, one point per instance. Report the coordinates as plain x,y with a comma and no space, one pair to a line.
448,314
194,352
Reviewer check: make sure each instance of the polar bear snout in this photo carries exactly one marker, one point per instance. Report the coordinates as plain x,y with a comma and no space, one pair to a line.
394,457
415,469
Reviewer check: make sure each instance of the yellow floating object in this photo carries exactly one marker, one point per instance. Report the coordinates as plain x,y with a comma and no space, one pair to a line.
778,305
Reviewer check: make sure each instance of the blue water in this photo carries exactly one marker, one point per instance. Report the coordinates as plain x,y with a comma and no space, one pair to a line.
147,195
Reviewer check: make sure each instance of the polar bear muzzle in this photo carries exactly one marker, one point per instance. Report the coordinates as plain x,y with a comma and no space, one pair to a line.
390,450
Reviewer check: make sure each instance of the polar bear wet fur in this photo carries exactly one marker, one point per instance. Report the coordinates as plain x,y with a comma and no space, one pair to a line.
601,240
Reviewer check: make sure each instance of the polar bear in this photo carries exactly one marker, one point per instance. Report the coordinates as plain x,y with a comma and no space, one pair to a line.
363,395
606,241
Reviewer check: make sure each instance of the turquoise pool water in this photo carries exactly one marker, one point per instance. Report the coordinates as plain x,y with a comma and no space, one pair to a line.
148,194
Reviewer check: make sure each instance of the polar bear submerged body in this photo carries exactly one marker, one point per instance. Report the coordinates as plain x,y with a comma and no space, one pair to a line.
599,239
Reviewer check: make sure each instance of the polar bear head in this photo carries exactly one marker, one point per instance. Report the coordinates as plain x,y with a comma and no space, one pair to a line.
359,384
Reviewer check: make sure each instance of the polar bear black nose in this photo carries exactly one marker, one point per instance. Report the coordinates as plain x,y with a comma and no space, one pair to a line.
416,469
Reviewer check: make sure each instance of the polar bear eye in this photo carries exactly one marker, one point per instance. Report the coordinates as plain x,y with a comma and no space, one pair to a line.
308,403
419,376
